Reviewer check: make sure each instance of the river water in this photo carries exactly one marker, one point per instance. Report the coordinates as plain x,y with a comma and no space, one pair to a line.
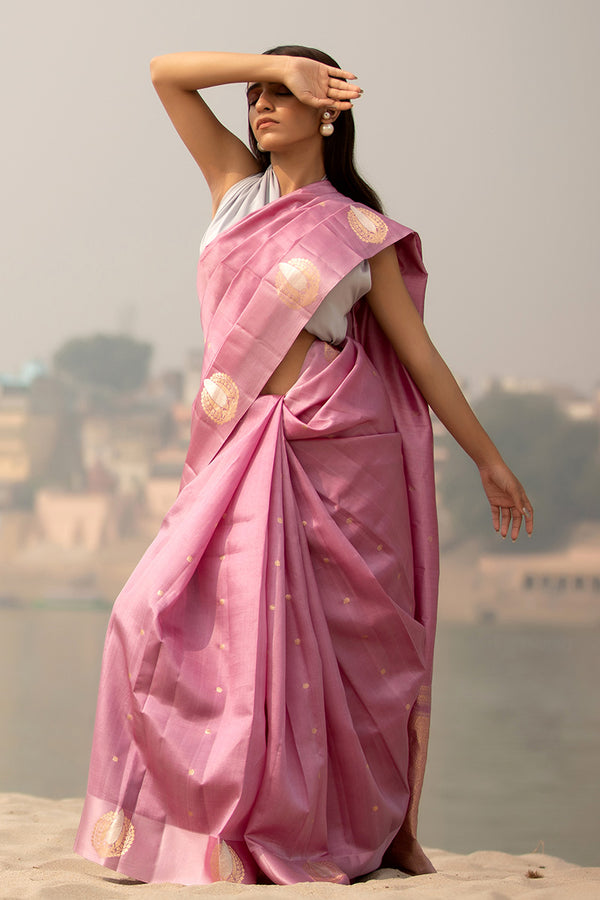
515,745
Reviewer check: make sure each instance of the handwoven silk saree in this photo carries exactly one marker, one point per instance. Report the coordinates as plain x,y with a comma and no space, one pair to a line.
264,696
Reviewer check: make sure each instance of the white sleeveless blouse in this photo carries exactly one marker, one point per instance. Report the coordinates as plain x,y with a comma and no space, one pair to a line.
329,322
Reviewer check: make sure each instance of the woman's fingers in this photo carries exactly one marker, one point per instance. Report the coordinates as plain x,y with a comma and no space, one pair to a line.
522,509
528,513
341,97
509,503
344,85
496,518
505,511
340,94
329,103
517,518
504,516
510,518
340,74
343,89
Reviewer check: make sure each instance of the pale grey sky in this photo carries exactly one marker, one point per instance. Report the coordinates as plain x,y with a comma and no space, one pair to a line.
478,127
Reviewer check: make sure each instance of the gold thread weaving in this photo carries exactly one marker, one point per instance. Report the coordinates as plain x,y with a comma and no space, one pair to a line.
113,834
225,410
225,864
299,287
367,225
323,870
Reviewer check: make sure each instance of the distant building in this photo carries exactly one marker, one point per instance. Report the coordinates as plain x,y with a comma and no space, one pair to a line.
27,438
123,444
84,521
192,376
573,404
161,492
545,586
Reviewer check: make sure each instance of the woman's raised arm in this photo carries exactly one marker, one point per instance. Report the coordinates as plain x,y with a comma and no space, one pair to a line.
222,157
398,318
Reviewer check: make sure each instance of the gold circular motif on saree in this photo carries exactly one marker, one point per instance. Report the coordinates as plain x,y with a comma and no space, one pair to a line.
323,870
113,834
220,397
365,223
225,864
297,282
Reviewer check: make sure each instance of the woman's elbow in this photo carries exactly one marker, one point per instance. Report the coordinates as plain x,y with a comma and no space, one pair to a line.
156,69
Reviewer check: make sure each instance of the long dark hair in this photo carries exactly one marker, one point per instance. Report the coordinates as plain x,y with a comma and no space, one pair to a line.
338,150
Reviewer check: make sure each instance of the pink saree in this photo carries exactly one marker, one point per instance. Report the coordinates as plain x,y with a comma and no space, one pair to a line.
264,697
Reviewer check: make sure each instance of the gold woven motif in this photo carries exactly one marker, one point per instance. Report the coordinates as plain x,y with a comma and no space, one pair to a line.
323,870
424,697
365,223
113,834
297,282
220,397
225,864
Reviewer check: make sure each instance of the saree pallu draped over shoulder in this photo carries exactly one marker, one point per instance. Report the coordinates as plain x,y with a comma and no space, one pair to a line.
265,688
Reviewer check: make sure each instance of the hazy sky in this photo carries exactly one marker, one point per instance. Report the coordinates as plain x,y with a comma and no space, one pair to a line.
478,127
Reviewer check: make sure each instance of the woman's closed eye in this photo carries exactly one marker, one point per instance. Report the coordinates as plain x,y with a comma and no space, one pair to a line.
280,91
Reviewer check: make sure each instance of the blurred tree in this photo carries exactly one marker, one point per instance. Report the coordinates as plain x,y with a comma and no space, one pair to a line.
115,362
556,459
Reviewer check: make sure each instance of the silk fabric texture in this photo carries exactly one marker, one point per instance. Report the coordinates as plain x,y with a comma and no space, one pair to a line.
264,697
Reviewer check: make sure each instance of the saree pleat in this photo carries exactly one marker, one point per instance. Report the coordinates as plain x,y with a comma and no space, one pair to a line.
264,658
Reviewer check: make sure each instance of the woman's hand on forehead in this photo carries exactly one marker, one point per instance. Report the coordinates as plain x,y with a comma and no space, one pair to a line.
317,84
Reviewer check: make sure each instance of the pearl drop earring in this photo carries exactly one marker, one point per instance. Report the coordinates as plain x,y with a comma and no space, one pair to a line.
326,127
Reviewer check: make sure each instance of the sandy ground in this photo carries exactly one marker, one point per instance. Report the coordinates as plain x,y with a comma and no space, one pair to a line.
36,860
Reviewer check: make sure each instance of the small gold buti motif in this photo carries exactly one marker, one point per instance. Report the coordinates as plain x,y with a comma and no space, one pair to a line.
113,834
220,397
367,225
297,282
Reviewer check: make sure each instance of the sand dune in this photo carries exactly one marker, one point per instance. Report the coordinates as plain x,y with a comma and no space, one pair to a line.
36,860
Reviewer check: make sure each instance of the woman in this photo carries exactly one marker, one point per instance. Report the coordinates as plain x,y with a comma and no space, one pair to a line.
263,709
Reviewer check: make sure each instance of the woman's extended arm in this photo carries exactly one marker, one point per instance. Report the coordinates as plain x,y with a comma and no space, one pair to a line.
223,158
397,316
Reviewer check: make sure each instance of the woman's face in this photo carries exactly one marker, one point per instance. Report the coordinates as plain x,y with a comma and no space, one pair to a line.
278,119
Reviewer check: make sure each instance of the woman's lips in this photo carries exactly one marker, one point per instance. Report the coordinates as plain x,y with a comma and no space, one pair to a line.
264,123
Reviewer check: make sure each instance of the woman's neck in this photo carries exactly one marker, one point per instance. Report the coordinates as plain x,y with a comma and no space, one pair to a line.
294,171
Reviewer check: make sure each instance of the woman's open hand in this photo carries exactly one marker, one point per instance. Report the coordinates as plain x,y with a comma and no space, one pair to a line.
508,500
319,85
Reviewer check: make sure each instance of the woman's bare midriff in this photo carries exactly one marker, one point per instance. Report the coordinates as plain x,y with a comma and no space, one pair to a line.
287,372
